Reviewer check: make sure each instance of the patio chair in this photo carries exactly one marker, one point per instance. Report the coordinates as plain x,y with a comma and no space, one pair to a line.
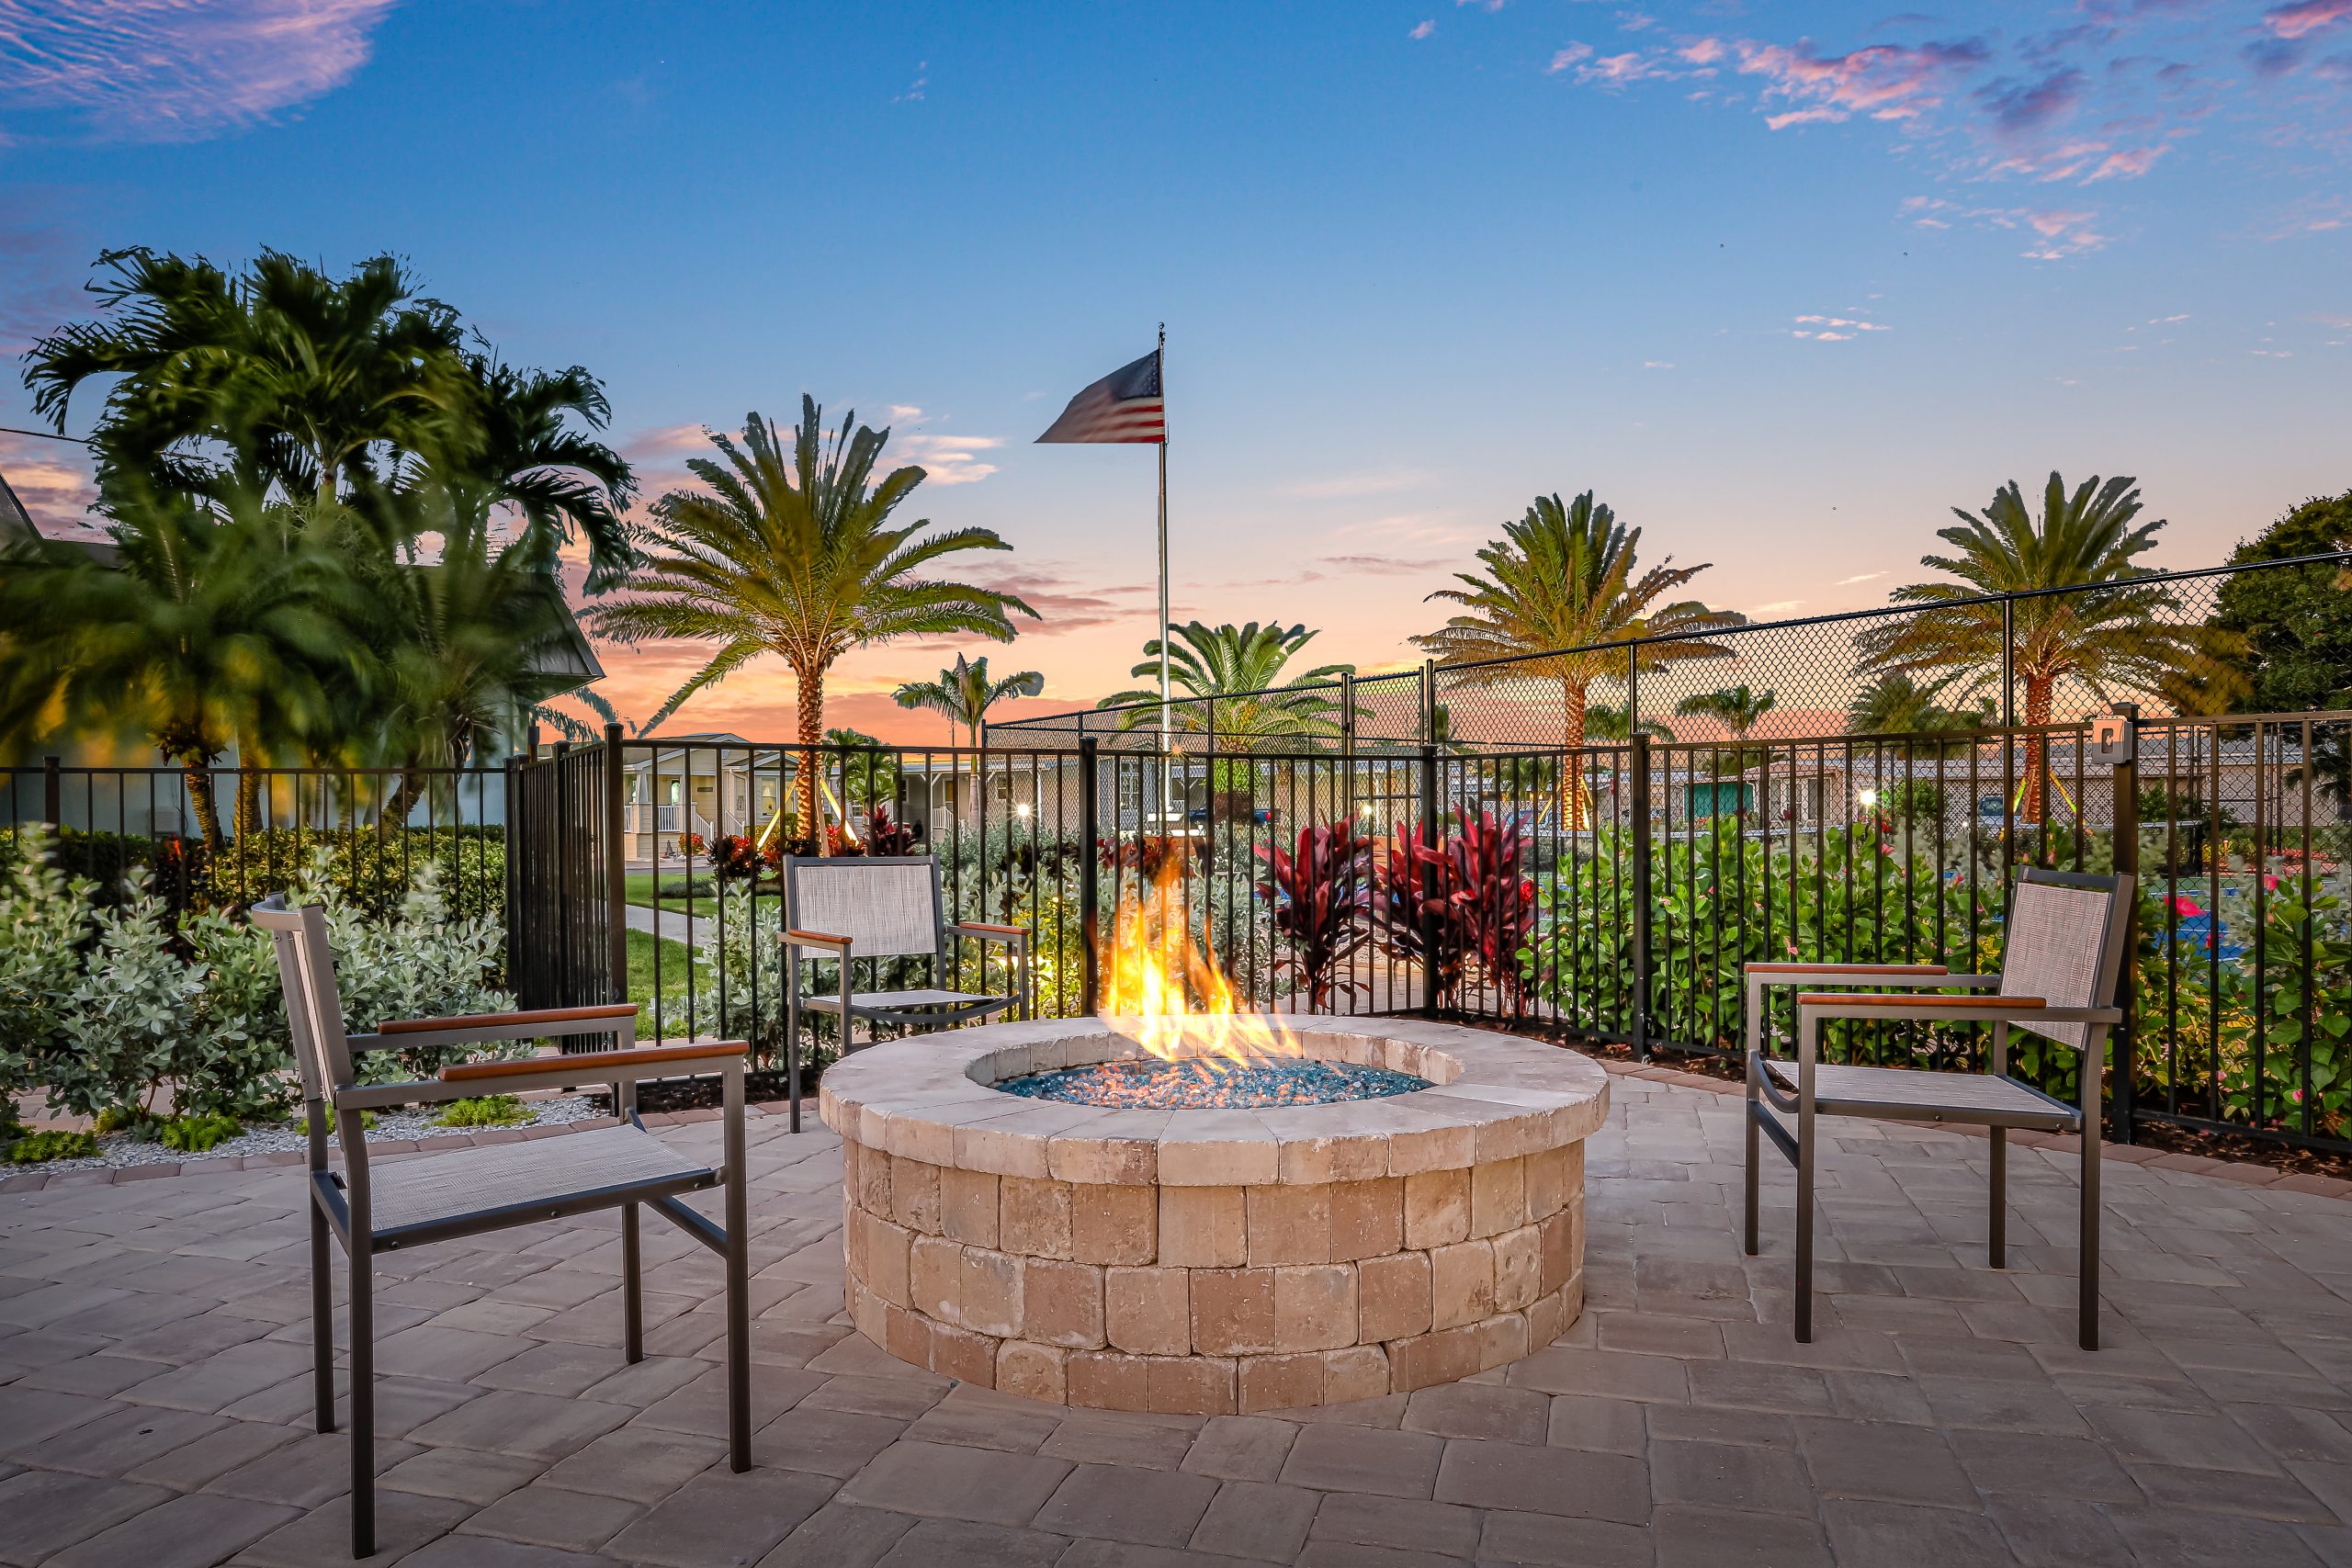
437,1197
2063,955
862,908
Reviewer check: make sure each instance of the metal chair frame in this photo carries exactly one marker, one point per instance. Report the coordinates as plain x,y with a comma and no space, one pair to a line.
1902,1094
343,1203
802,946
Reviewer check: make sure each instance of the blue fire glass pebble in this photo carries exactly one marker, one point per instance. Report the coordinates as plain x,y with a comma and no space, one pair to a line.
1201,1085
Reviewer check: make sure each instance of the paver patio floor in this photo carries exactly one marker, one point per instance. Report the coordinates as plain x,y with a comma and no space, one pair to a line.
153,1410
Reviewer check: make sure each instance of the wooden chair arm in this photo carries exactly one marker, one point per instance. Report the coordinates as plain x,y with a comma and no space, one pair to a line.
593,1066
815,938
979,932
1846,969
587,1020
1853,1000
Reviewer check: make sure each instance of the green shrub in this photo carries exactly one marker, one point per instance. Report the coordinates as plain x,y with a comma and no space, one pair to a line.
366,1120
488,1111
194,1135
37,1147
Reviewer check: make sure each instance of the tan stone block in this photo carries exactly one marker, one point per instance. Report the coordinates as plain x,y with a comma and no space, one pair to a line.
1360,1372
990,1285
1148,1311
1502,1339
934,1278
1315,1307
1203,1227
1461,1284
1446,1145
1354,1157
1393,1297
968,1206
1518,1267
873,1185
1061,1303
1034,1371
906,1335
1547,1319
1561,1245
914,1194
1282,1383
1437,1208
1033,1217
1233,1311
1106,1379
1547,1181
885,1260
1189,1385
1116,1224
1498,1197
960,1353
1367,1218
865,1310
1218,1148
1289,1224
1448,1355
853,1255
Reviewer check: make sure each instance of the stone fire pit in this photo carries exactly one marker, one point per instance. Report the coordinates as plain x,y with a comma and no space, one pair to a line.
1210,1261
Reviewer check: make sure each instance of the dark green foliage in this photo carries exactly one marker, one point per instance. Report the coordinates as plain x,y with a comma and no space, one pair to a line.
2296,622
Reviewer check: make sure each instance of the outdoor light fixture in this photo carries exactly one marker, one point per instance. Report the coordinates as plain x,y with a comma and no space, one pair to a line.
1869,797
1022,810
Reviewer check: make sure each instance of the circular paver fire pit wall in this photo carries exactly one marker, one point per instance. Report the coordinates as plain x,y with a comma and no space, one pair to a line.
1208,1261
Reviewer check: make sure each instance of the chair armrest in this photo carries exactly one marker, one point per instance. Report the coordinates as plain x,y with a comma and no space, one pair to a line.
1846,969
545,1020
645,1061
816,939
1852,1004
1010,935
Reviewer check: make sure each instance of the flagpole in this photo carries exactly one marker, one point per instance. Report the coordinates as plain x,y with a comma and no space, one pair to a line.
1167,734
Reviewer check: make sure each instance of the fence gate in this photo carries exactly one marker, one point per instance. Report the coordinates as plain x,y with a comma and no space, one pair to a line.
563,880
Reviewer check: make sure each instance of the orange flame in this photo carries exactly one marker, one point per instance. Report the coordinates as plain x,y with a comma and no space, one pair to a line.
1154,970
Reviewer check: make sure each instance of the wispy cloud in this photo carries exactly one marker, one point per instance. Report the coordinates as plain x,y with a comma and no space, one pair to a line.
2057,232
177,69
947,459
1379,482
913,95
53,480
1424,30
2305,18
1575,54
1859,577
1883,81
1836,328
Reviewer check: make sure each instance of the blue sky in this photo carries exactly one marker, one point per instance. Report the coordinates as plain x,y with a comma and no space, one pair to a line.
1783,284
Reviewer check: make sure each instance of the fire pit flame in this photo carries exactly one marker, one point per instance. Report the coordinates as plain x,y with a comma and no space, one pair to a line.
1154,971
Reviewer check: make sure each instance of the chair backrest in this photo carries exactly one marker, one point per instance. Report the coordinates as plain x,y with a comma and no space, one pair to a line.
313,1004
2064,944
886,905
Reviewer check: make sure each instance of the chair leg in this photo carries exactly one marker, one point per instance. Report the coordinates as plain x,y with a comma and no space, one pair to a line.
792,1038
363,1398
1997,1230
738,1286
1804,1222
321,1317
1755,1148
632,1286
2089,1335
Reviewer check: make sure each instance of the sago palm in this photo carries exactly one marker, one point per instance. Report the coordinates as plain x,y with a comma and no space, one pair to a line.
792,552
964,693
2114,634
1243,669
1558,598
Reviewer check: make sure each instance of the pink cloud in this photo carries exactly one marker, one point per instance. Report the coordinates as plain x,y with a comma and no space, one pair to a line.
1703,51
1615,70
1884,81
1575,54
53,480
2306,17
179,70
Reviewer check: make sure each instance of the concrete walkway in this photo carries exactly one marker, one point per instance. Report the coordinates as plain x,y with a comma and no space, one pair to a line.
154,1413
671,923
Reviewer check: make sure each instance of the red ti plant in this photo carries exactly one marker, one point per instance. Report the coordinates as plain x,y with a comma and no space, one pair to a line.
1321,895
885,836
1457,904
734,858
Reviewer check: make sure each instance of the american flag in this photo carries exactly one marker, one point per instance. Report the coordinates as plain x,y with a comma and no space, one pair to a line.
1124,406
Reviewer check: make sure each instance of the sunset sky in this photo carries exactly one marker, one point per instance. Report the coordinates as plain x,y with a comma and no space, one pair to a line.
1783,284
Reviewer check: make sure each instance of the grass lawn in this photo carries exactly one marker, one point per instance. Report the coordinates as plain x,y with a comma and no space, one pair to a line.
637,889
676,959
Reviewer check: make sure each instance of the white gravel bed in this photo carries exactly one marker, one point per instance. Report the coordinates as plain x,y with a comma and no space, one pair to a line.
117,1150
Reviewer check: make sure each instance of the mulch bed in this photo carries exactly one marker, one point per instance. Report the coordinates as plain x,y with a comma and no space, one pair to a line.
760,1087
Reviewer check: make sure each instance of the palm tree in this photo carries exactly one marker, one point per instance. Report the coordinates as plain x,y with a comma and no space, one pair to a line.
793,553
1559,598
209,629
1895,704
1603,722
964,694
2113,635
1737,708
1241,667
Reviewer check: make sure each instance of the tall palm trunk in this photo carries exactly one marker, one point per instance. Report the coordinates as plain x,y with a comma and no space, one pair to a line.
249,782
1572,785
195,778
2040,691
811,717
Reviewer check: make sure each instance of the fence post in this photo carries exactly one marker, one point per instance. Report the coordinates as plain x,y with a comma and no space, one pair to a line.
2127,861
617,867
1344,797
1089,871
1640,808
2008,663
511,814
1633,692
1420,878
1428,699
52,793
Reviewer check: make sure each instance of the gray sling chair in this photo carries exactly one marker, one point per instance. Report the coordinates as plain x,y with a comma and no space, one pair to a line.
437,1197
2064,951
855,908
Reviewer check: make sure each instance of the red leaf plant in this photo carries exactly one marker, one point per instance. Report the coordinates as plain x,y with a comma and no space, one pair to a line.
1458,905
1321,895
